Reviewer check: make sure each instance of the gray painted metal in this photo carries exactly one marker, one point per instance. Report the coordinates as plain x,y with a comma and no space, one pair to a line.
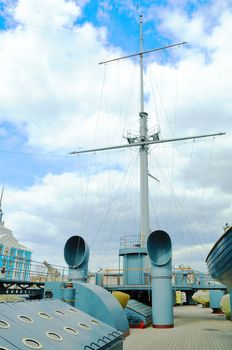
148,143
144,52
219,259
190,279
215,297
134,265
91,299
159,248
76,255
52,325
139,315
99,279
98,302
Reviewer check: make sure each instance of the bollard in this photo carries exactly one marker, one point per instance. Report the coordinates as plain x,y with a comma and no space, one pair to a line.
159,248
69,294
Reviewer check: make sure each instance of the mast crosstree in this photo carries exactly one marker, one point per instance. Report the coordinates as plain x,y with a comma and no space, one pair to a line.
143,141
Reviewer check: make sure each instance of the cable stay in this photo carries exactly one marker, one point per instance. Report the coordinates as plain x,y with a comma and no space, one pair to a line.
144,140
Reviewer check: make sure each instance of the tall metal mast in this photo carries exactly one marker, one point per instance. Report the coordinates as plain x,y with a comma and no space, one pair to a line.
144,140
144,200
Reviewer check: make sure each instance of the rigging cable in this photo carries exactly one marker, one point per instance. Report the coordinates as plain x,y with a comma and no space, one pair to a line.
107,211
86,216
153,93
154,210
174,121
120,209
180,209
198,203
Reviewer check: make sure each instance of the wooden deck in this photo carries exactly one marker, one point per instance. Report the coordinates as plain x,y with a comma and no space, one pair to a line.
196,328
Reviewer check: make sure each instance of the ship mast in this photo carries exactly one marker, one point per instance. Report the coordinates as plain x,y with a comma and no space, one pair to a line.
143,140
143,149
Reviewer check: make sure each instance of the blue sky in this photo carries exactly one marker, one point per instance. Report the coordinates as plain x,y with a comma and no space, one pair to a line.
121,19
55,98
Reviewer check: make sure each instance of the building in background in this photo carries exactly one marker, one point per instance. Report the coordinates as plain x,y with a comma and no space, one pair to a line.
15,258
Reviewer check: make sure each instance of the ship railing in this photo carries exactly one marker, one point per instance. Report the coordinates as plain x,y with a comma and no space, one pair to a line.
42,273
187,278
27,270
132,241
116,277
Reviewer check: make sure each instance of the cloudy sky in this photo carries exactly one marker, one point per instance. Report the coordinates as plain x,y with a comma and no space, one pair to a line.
55,98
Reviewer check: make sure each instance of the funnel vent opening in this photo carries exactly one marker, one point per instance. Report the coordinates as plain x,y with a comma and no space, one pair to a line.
159,247
76,252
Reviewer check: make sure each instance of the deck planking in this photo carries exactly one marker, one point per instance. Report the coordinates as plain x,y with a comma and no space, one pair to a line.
195,328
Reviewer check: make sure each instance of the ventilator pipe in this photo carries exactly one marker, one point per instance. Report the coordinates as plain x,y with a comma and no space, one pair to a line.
76,255
99,279
159,248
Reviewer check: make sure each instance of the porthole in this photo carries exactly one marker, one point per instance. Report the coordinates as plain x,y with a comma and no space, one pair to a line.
25,319
97,323
85,326
32,343
44,315
54,336
73,310
4,324
61,313
71,330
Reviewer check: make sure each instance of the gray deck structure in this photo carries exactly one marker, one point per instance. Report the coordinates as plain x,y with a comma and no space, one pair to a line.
196,328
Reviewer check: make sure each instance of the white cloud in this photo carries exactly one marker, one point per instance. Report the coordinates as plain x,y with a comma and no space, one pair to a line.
57,96
190,255
50,81
49,212
58,12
